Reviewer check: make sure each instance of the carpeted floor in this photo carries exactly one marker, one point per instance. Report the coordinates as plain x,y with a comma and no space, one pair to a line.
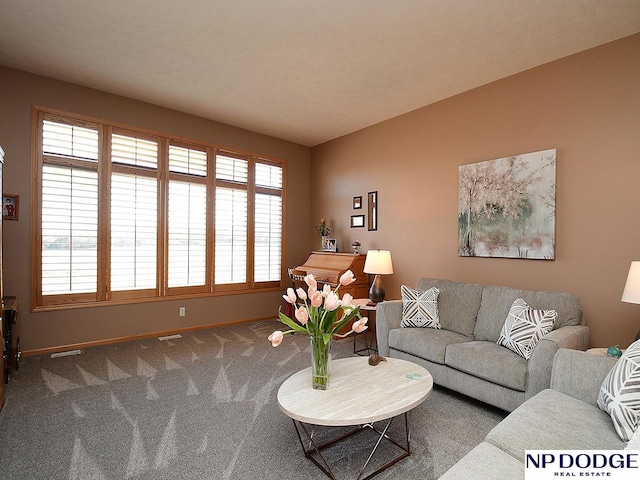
200,407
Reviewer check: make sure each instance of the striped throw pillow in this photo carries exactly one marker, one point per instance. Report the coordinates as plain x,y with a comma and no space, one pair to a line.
524,327
420,309
620,393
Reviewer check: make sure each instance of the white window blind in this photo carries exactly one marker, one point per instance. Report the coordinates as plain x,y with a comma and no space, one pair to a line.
134,224
232,169
187,160
134,151
268,176
187,234
69,140
268,238
69,230
231,236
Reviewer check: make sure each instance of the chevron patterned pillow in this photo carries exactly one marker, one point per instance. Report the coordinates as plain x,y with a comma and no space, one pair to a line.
620,392
524,327
420,309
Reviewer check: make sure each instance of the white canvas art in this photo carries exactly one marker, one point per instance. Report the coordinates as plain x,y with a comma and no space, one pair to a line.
506,207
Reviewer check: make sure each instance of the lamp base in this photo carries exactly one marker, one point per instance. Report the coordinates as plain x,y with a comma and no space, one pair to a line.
376,292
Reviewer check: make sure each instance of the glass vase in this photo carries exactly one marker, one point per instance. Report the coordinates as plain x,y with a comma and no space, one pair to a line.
320,362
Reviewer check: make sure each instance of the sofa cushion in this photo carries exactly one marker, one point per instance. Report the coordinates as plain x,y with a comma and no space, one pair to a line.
496,302
485,462
427,343
458,304
489,361
524,327
552,420
419,309
620,392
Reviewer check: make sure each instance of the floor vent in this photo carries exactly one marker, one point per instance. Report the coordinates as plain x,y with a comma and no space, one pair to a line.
68,353
170,337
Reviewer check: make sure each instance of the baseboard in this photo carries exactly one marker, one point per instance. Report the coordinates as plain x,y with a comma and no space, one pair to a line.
97,343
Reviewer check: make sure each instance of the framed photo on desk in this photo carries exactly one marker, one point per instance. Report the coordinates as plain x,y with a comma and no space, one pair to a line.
330,244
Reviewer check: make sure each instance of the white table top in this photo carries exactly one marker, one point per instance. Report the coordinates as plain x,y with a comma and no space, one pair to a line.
362,303
358,393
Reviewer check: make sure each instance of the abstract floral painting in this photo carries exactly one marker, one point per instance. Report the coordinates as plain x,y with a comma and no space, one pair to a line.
507,207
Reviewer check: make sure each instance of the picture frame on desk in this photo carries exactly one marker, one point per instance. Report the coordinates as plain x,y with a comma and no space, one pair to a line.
330,244
10,206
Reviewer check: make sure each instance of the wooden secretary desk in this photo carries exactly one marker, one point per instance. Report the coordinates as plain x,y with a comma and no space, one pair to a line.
328,267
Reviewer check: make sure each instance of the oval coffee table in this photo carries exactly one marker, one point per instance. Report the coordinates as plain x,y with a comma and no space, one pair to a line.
358,395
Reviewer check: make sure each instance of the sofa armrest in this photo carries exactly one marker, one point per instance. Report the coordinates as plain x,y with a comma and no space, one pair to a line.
388,317
580,374
541,361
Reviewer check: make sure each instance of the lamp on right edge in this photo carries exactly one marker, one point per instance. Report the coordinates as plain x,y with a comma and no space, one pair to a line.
631,292
378,262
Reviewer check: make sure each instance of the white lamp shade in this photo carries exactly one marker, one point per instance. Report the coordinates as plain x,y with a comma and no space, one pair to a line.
631,292
378,262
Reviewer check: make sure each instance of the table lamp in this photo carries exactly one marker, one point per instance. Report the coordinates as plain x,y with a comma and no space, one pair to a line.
631,292
378,262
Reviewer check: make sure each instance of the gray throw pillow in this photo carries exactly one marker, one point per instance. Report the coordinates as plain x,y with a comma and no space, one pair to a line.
420,309
524,327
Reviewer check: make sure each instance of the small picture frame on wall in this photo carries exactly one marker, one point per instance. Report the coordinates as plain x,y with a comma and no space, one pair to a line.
357,221
357,203
330,244
10,204
372,201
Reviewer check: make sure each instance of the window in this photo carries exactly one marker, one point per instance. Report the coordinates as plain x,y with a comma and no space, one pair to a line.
268,223
134,213
69,230
232,175
187,217
125,214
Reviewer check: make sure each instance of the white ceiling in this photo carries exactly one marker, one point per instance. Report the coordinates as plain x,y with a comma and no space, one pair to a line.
301,70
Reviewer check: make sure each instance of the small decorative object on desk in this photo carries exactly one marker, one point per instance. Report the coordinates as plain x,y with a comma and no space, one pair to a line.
356,247
317,314
324,231
614,351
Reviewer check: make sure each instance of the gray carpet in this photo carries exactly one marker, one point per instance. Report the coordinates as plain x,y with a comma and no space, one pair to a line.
200,407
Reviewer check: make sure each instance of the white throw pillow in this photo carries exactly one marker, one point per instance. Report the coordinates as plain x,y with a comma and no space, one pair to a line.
634,443
524,327
620,393
420,309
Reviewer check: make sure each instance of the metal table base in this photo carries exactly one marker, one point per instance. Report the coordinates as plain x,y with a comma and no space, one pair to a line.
313,450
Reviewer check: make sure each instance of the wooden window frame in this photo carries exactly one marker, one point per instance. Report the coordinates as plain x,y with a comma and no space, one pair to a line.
105,168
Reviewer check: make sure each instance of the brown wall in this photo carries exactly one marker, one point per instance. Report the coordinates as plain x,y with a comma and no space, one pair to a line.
18,91
587,106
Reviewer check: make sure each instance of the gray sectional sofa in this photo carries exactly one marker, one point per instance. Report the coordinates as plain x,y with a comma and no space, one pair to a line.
564,417
463,355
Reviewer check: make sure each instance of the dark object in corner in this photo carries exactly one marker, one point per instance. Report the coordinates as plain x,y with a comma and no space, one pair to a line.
375,359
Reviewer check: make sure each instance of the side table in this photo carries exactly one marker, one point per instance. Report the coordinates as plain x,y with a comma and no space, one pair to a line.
369,335
601,351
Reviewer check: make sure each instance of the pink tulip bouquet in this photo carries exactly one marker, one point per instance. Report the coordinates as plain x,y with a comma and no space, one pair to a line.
317,311
321,314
